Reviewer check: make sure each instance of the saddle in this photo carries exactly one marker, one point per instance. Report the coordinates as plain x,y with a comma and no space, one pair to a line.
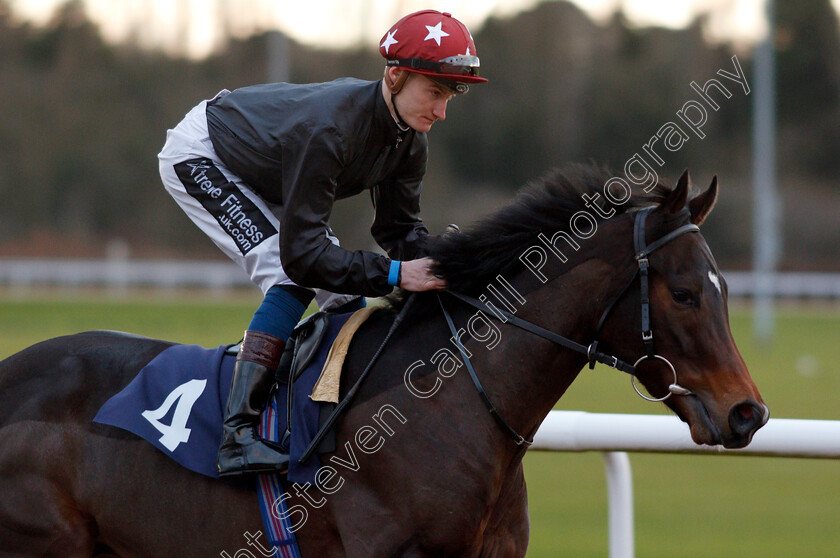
301,347
302,351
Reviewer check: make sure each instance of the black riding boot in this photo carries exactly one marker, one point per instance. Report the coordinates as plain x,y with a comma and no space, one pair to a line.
242,450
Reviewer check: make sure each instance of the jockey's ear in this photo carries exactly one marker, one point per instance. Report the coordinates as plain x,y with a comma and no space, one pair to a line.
395,78
702,204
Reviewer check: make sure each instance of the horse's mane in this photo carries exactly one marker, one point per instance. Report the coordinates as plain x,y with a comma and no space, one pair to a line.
471,259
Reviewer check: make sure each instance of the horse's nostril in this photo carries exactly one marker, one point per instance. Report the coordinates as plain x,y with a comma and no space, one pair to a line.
745,418
746,411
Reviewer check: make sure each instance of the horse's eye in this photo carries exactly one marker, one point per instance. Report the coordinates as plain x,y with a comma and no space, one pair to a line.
683,297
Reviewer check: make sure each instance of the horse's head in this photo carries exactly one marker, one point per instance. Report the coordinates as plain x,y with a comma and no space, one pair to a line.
688,326
683,349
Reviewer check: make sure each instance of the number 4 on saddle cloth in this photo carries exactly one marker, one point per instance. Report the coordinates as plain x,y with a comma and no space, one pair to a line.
176,401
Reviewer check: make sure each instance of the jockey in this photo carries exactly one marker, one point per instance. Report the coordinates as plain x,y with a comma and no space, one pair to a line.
258,170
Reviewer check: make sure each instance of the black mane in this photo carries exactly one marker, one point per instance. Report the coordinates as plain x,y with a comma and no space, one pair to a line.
471,259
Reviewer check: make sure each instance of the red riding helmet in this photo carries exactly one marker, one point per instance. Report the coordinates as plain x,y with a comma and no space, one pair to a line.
434,44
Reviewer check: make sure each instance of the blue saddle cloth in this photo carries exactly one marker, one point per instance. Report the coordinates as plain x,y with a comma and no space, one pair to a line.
176,403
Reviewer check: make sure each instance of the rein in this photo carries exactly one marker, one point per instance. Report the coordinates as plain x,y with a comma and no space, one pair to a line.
593,355
518,438
331,420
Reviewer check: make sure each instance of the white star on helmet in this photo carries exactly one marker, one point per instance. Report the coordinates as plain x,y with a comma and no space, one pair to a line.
436,33
389,40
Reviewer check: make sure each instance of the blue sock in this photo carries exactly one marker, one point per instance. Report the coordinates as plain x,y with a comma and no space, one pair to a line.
278,314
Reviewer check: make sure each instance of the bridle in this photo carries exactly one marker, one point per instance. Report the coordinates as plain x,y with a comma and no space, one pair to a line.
642,250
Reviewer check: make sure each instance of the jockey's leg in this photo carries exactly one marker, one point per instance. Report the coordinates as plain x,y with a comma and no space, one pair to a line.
242,450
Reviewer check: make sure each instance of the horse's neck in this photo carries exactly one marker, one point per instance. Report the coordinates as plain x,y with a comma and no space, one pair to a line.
528,374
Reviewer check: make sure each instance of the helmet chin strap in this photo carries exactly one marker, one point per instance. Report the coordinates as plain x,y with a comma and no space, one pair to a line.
401,124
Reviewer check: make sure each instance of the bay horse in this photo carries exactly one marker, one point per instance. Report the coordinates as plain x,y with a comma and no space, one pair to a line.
421,469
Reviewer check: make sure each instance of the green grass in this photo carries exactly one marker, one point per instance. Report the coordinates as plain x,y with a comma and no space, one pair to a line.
685,506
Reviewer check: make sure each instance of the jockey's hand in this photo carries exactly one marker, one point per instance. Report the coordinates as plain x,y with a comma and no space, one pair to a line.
416,275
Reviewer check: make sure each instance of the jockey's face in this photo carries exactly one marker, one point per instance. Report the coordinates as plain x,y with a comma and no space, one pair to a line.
421,102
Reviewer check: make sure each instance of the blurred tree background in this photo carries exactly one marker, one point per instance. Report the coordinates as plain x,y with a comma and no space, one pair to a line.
82,122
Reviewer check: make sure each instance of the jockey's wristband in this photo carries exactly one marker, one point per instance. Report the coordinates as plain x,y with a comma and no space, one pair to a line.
394,273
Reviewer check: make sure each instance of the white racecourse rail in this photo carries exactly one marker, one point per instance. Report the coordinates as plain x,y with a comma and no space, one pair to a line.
615,434
122,272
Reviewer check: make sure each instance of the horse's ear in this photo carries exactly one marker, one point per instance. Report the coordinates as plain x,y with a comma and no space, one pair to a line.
676,200
702,204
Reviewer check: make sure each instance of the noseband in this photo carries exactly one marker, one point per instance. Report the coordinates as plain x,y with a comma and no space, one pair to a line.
593,355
